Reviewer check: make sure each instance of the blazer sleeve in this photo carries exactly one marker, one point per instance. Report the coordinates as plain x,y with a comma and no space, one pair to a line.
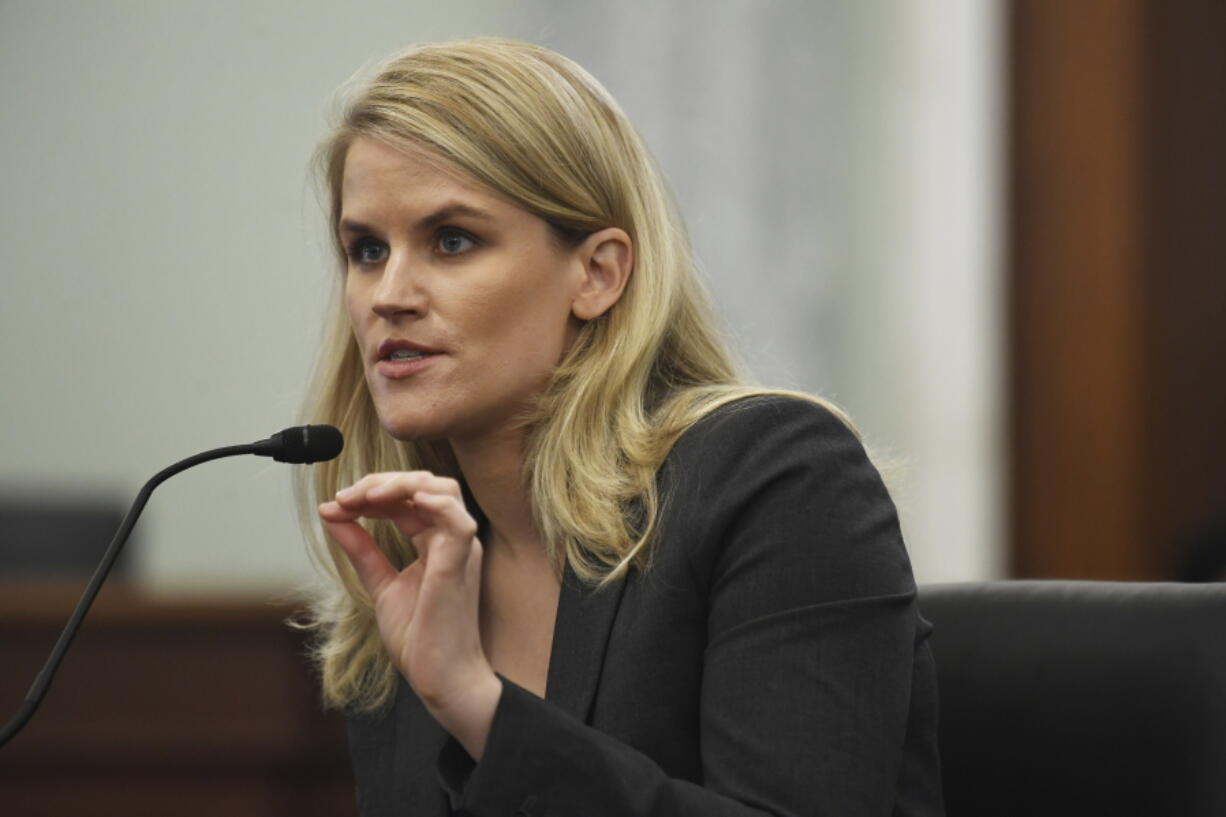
812,633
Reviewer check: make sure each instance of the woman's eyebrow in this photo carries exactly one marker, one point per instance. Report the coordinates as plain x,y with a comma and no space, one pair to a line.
444,213
350,226
450,211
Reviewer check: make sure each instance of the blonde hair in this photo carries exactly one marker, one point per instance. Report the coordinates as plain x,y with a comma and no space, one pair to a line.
536,128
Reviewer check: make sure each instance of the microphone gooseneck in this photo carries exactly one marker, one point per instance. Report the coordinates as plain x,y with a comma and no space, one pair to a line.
300,444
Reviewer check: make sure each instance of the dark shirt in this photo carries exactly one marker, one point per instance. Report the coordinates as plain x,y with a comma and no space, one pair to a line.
771,661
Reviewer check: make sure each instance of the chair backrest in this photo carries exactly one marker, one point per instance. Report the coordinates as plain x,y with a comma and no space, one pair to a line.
59,537
1081,698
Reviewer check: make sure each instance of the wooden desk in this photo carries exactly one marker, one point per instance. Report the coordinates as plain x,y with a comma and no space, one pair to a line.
163,706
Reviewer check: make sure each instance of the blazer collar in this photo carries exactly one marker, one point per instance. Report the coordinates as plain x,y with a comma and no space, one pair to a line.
580,639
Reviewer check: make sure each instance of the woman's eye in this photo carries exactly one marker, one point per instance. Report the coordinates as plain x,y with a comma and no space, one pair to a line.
454,242
368,251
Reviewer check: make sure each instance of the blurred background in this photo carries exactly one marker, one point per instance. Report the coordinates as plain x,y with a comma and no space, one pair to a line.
991,230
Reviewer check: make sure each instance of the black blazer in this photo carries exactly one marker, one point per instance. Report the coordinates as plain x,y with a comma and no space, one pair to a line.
771,661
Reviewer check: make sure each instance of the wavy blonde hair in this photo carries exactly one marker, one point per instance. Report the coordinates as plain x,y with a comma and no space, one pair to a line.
536,128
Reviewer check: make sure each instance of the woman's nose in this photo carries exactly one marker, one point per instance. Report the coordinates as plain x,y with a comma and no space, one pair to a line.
399,291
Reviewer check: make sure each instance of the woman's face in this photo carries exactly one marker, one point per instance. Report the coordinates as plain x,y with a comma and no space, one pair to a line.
460,302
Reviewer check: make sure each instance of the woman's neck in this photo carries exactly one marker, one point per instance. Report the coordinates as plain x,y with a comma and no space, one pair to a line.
493,470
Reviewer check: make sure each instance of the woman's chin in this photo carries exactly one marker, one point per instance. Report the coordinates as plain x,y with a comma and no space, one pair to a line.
412,429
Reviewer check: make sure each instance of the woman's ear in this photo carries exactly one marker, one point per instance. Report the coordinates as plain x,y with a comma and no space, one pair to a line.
607,257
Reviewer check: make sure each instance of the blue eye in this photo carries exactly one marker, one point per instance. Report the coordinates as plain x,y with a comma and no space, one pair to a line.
453,242
367,251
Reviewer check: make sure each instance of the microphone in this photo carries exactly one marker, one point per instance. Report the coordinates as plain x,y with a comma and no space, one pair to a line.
300,444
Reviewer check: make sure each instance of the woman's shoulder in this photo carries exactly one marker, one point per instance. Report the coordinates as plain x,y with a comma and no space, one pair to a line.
781,479
763,442
784,421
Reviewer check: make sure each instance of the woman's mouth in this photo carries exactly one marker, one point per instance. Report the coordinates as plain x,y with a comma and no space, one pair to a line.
402,358
402,364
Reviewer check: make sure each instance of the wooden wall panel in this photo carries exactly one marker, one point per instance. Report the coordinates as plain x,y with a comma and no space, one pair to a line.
162,706
1117,284
1186,261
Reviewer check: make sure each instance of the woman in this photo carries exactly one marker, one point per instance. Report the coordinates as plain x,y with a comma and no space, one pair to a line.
579,568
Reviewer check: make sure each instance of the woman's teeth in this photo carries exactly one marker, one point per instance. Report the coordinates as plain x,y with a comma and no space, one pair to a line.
406,354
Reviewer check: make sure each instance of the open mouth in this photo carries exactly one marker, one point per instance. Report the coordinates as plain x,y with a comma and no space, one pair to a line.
403,358
402,350
408,354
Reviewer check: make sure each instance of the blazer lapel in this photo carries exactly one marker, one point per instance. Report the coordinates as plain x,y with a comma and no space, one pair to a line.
580,639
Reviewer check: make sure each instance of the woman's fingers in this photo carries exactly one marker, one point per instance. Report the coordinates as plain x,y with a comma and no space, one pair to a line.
424,506
390,496
333,512
372,567
452,525
394,487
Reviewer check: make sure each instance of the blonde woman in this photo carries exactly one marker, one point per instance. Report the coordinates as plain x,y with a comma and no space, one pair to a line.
577,566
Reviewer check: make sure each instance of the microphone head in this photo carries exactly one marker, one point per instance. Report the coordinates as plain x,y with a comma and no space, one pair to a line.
307,444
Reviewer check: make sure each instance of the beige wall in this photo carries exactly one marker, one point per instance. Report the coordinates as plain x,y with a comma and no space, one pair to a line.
163,268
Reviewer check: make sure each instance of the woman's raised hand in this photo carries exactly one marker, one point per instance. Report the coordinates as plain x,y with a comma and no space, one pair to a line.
428,613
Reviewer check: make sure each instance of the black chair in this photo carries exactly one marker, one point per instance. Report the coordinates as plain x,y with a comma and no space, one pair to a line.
1081,698
59,537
